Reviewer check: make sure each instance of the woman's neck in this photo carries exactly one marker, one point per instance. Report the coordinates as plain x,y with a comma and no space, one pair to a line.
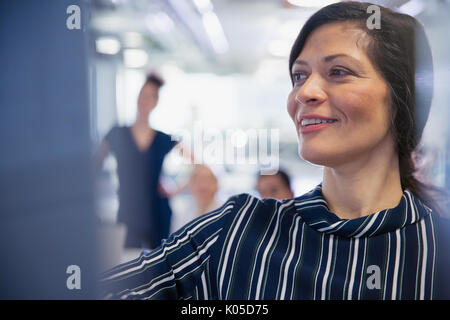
141,123
364,187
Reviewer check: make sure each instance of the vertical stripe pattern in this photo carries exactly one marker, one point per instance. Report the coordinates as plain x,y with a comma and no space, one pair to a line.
291,249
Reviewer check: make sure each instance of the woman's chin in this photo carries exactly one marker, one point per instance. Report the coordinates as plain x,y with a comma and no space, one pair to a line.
317,157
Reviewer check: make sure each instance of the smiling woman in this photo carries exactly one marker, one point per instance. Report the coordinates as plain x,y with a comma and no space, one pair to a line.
366,79
335,80
368,231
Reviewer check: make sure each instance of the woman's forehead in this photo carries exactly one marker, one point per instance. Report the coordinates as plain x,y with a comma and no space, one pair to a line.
341,38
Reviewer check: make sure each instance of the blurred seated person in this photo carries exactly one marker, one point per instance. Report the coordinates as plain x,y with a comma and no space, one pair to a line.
202,186
276,186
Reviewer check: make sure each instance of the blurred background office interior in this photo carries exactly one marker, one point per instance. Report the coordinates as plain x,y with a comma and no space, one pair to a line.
225,67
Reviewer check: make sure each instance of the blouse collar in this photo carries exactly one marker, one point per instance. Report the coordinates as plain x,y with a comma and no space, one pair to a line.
314,210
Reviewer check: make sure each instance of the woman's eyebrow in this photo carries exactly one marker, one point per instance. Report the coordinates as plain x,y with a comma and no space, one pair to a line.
301,62
341,55
330,58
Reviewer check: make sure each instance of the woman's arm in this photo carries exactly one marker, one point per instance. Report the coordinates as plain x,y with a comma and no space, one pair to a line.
178,268
102,152
185,153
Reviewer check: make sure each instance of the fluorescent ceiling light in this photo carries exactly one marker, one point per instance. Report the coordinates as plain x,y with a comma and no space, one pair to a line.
159,22
203,5
133,40
135,58
311,3
107,45
215,32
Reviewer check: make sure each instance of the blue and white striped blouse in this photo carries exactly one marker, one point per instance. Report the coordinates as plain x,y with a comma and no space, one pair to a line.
294,249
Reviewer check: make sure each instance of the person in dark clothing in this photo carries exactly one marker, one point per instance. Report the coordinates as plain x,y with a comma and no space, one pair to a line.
140,150
277,186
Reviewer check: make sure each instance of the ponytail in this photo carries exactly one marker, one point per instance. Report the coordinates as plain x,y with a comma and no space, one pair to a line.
432,196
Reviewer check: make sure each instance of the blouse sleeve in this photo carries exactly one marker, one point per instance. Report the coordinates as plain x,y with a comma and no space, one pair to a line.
177,269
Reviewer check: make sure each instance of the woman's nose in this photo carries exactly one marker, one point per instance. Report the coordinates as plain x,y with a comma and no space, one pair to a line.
311,92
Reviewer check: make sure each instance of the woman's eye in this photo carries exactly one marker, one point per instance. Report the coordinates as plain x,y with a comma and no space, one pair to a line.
298,76
339,72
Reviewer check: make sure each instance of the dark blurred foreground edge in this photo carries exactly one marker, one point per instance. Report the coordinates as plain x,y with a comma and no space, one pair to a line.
47,226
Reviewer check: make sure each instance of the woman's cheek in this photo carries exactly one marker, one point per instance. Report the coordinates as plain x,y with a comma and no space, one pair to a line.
291,105
353,106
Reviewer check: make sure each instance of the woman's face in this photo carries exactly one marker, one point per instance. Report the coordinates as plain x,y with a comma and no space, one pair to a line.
271,186
335,82
148,98
203,183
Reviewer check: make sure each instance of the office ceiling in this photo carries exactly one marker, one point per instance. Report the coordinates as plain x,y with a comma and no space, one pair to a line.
221,36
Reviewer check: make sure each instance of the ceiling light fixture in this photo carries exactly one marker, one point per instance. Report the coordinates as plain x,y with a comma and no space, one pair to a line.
107,45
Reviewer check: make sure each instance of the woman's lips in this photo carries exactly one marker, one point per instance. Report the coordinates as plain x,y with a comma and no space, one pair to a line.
313,122
315,127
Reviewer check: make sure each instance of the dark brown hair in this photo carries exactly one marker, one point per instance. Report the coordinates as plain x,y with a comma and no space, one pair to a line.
285,179
400,51
154,78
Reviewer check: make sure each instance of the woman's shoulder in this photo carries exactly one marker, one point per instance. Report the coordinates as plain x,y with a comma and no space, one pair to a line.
441,237
442,224
247,205
162,134
164,139
115,131
238,207
117,128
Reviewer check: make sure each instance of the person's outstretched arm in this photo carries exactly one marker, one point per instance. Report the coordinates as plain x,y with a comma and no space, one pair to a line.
178,269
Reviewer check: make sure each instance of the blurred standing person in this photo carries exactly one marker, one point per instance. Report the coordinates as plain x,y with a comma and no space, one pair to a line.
277,186
140,151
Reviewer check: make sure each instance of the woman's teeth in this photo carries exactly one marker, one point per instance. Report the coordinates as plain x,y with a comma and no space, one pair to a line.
306,122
